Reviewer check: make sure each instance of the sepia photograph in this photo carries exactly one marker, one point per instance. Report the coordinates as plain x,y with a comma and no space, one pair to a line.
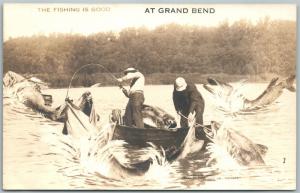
149,96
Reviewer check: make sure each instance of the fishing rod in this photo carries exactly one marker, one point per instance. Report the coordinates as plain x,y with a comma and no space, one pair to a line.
86,65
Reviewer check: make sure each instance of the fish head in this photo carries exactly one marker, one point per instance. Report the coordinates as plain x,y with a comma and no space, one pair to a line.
116,116
157,117
85,103
11,78
227,97
289,83
217,87
229,143
169,121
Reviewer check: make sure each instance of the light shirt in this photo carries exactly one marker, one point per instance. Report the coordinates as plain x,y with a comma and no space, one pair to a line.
137,81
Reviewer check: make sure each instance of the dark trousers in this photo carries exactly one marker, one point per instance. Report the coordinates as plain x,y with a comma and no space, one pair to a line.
199,120
133,114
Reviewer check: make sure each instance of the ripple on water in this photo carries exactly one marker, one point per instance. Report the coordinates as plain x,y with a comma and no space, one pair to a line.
35,143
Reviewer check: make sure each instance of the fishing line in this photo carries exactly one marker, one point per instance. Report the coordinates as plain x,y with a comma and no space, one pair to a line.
76,116
84,66
197,124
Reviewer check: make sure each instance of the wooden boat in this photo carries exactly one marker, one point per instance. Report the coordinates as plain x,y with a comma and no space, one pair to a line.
159,137
172,141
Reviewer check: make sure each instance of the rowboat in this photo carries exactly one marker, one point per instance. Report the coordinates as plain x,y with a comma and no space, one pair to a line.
172,141
159,137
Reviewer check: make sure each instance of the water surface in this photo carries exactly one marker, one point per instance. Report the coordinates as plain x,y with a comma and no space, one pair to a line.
37,156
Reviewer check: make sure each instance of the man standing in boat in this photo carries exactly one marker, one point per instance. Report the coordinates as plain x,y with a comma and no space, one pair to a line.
187,100
133,114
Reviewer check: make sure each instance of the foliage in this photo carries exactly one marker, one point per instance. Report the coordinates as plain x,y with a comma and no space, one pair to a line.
165,52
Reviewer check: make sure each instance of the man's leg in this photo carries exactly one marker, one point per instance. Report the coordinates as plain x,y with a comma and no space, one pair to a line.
199,117
136,106
199,120
128,114
183,121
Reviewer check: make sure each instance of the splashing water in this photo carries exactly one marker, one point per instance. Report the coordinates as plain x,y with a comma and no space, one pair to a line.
67,165
218,150
232,102
99,155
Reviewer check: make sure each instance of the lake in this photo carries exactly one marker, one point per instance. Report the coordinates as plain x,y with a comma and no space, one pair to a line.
37,156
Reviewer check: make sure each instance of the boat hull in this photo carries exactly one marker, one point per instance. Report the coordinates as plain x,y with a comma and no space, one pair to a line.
141,137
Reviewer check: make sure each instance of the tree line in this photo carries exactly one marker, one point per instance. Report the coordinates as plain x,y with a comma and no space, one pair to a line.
240,48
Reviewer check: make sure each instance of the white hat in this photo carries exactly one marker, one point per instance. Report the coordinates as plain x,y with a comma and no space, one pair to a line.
128,70
180,84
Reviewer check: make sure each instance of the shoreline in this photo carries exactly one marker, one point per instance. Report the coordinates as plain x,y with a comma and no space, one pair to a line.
105,79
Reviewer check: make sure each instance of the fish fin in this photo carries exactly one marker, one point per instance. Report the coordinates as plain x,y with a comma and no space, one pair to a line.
243,81
273,82
65,130
289,83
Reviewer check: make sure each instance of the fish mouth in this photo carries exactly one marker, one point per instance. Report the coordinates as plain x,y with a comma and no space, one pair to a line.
211,130
213,81
8,80
86,97
212,85
218,88
169,122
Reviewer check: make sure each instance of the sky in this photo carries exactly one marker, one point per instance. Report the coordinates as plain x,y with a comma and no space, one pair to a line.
43,19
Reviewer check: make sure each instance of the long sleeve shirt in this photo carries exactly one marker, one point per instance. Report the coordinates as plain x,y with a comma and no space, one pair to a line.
137,81
187,100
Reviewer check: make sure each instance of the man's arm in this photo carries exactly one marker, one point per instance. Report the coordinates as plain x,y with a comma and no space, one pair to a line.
195,98
130,76
125,92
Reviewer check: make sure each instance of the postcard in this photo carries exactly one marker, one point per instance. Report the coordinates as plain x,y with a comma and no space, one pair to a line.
149,96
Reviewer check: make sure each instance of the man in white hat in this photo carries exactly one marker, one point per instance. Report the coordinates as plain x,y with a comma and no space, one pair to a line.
188,100
133,114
